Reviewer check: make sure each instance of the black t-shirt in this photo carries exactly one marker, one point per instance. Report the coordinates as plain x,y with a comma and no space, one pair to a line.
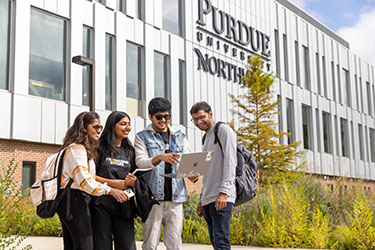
117,166
167,170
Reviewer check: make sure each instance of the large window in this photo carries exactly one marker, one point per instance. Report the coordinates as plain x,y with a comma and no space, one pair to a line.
318,134
86,71
306,127
290,120
183,91
333,81
306,68
28,175
47,55
121,5
372,144
356,91
344,137
327,133
133,79
108,71
369,102
361,145
4,42
286,63
325,91
172,16
277,52
317,64
161,80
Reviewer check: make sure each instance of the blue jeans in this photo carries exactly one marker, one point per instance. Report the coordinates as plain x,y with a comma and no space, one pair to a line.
218,223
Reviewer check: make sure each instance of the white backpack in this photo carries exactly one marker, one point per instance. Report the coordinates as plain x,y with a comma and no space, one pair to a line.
44,192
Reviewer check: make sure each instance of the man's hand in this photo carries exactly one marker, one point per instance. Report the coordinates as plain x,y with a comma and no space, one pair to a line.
130,180
221,201
171,158
199,210
119,184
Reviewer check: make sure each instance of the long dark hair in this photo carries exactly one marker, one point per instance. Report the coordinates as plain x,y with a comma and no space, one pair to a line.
107,141
76,133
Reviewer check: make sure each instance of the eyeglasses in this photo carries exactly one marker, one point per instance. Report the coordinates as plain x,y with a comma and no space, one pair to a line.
159,117
98,127
199,118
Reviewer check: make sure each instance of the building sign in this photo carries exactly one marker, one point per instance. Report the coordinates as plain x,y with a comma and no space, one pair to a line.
238,40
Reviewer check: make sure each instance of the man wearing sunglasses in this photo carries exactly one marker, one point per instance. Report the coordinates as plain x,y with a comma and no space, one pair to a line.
218,189
160,146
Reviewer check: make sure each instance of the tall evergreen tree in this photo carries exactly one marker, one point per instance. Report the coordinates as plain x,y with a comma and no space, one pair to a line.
257,109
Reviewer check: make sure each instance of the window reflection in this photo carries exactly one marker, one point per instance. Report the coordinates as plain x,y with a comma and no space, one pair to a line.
4,43
160,75
172,16
47,56
108,72
133,79
86,71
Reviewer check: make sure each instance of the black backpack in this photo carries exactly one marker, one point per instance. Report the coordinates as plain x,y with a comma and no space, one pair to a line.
246,171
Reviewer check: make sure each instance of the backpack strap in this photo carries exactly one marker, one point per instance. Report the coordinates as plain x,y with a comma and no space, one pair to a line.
216,134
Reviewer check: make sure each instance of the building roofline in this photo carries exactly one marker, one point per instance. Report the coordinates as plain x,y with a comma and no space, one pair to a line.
314,22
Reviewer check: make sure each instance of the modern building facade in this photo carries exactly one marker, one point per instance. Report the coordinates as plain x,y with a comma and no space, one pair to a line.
187,51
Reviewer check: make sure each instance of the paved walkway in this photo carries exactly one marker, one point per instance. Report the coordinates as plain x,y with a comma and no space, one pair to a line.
55,243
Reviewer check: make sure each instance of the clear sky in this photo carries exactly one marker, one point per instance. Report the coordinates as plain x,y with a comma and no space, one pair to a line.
353,20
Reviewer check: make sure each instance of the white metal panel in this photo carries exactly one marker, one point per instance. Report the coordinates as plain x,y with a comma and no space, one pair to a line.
50,5
61,122
63,8
111,4
149,64
48,121
149,12
158,14
164,41
5,114
37,3
139,34
174,77
87,13
157,39
130,8
110,21
22,47
189,21
100,43
27,114
129,27
120,62
76,40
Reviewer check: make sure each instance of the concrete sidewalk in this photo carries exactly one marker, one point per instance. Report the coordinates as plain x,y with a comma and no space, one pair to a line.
56,243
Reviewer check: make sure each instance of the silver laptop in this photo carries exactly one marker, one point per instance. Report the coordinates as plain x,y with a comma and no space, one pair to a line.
193,164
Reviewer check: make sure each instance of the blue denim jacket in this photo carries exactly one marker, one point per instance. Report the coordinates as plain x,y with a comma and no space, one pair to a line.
155,146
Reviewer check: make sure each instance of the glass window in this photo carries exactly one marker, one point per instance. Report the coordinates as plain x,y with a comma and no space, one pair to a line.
28,175
352,130
161,75
4,43
120,5
138,9
296,48
183,91
172,16
356,91
86,69
133,79
47,55
369,103
318,73
344,137
339,88
306,68
333,81
306,127
324,76
318,134
361,146
372,144
337,135
327,137
361,94
346,87
290,120
277,52
286,63
108,71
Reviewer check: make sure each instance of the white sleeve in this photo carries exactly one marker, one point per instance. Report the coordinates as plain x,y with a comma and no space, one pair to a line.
142,159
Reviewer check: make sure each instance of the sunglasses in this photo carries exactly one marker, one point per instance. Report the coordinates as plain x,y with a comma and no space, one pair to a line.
98,127
199,118
159,117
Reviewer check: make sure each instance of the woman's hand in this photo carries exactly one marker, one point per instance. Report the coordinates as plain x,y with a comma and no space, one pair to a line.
119,184
119,195
130,180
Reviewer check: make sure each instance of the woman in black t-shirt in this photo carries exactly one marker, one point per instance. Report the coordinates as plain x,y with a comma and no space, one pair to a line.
114,165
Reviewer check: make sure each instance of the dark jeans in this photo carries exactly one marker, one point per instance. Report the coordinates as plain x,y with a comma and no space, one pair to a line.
218,223
107,222
77,233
